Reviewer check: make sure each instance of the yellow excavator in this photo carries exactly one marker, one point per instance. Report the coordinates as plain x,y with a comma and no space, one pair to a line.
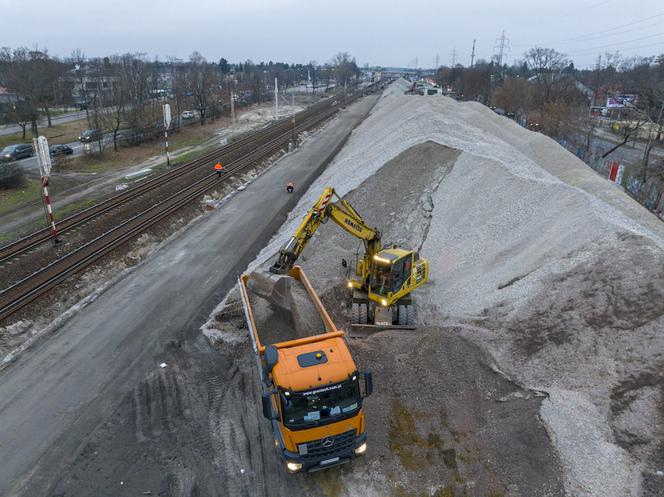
385,277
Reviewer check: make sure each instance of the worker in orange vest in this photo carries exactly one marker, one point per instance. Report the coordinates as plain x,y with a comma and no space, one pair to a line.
218,168
290,187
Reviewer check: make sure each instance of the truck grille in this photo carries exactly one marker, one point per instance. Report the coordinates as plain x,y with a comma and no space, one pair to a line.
319,449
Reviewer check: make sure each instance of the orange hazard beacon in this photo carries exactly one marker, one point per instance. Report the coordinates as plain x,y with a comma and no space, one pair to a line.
312,390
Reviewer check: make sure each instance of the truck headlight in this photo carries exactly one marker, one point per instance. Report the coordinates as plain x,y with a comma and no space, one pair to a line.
361,449
293,467
383,302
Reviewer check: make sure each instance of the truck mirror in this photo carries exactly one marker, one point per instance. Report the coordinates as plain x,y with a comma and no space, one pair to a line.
271,357
368,383
267,406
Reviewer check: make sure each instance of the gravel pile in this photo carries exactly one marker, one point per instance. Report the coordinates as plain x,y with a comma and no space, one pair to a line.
399,87
551,270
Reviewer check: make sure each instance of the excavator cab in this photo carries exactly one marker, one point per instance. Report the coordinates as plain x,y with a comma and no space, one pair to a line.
395,273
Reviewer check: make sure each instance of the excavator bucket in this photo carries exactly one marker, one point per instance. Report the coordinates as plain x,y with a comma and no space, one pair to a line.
275,288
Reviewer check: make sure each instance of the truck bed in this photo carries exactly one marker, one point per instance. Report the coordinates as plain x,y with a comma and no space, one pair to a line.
282,308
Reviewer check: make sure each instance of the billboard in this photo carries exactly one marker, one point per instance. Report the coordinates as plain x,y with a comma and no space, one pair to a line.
620,101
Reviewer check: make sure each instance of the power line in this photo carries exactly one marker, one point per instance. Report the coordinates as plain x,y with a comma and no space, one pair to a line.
599,33
618,27
616,43
624,49
593,38
584,9
604,35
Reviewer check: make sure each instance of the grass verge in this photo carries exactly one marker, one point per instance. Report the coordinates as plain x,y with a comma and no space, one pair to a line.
59,133
11,198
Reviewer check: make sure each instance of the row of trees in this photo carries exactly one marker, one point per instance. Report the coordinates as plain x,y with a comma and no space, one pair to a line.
547,89
122,93
37,80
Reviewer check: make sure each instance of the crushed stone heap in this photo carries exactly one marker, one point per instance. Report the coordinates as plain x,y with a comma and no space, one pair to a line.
552,270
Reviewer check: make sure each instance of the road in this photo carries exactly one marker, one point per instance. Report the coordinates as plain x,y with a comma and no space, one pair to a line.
631,152
10,129
30,165
58,393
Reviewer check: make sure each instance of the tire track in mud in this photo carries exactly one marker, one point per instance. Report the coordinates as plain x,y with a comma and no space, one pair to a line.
234,421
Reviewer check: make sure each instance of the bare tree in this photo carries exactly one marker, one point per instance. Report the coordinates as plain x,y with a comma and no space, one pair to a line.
21,114
201,79
345,68
18,74
547,65
312,73
79,60
178,84
135,81
116,98
513,95
475,83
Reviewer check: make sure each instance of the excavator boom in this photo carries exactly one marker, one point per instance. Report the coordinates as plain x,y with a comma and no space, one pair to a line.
386,277
342,214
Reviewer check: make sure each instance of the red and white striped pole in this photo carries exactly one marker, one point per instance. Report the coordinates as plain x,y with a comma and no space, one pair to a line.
49,210
167,123
42,150
168,156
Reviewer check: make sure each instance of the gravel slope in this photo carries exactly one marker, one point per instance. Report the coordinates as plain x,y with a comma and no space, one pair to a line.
543,264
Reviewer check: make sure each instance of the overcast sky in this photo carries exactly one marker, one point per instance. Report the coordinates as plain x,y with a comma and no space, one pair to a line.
378,32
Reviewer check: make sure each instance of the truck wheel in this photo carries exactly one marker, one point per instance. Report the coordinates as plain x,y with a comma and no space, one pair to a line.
412,315
355,313
403,315
363,314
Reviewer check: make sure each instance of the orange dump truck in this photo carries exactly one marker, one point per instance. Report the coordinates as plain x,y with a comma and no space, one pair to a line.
312,392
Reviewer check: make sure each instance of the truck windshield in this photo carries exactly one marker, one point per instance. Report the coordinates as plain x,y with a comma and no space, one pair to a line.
322,405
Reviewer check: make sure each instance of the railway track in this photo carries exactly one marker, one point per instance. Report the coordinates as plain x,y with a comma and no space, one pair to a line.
227,152
246,152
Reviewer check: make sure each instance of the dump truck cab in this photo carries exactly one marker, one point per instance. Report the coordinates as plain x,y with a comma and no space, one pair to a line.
312,391
316,404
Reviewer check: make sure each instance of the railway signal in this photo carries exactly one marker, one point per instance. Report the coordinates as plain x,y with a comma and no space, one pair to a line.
167,124
41,148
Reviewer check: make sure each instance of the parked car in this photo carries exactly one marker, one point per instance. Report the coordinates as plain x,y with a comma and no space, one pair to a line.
61,150
188,114
11,174
5,160
16,152
90,135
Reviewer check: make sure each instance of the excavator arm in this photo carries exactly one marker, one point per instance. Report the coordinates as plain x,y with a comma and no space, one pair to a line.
342,213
